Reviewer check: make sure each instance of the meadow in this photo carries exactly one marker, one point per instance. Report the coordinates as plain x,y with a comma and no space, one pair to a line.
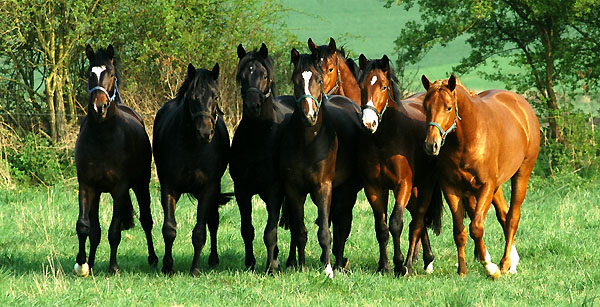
557,242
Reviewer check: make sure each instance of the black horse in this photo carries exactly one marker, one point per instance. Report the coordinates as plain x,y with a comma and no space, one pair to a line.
191,150
113,155
318,157
254,150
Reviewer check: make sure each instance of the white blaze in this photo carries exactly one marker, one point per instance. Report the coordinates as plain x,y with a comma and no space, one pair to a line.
306,75
369,118
373,80
98,71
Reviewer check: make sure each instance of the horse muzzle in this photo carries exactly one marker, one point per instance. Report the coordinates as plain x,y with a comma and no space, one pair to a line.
432,148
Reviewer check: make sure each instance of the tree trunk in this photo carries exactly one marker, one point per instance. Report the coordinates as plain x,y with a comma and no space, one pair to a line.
50,107
61,119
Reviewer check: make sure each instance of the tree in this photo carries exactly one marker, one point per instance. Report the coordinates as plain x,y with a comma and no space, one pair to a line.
552,41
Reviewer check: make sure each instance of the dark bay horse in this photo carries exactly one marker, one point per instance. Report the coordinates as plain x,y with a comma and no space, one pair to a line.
112,155
191,151
481,141
254,165
391,157
339,76
318,157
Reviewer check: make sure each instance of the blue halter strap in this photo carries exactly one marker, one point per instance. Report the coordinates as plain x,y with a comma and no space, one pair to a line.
100,88
323,99
452,128
374,109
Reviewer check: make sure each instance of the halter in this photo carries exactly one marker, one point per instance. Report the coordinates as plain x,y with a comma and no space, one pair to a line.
338,81
372,108
110,98
323,98
452,128
262,95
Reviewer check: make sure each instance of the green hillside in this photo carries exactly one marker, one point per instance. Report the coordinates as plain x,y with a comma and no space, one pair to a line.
367,27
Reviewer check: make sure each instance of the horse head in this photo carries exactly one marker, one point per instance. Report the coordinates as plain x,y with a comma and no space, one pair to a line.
377,89
256,76
200,94
102,81
441,112
328,56
307,78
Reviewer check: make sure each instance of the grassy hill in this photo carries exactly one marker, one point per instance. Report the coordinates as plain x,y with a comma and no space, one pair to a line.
367,27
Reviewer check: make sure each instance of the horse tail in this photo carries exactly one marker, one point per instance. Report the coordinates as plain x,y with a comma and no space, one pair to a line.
125,212
433,216
284,220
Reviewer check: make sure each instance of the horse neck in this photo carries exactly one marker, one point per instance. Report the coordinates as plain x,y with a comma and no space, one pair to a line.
267,112
468,122
349,86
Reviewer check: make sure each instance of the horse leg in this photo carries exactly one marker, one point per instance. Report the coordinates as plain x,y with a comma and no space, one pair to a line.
295,204
213,227
342,222
95,232
476,230
469,204
168,199
519,189
322,197
121,203
86,199
142,195
274,198
199,233
378,199
417,224
244,202
428,256
459,230
285,215
402,193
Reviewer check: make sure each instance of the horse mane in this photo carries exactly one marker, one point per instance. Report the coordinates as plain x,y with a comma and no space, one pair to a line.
267,63
437,85
391,75
101,58
201,74
306,62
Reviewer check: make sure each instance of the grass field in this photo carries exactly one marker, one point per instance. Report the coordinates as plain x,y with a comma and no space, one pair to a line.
557,242
367,27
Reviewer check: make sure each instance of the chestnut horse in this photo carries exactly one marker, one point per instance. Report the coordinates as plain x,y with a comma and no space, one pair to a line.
254,165
391,157
496,137
318,157
339,77
113,155
191,151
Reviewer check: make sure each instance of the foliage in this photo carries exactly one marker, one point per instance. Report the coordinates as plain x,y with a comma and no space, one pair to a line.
34,160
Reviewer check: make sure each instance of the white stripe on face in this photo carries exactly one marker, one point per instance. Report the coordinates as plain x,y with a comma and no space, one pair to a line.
369,118
373,80
306,76
98,71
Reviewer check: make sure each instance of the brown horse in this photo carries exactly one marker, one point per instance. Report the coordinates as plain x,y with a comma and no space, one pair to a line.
338,77
318,157
496,137
113,155
391,157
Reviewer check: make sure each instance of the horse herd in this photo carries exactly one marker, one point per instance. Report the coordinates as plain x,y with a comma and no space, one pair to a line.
344,129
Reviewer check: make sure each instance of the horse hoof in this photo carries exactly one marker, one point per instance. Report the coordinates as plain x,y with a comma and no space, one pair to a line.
400,270
153,260
429,268
250,263
168,271
114,270
384,269
213,260
329,271
195,272
291,263
492,270
81,270
343,266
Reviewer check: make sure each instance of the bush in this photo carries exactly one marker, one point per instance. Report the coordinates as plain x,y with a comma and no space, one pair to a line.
34,161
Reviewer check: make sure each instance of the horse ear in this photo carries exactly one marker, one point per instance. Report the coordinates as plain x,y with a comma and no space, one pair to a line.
332,46
264,51
452,83
89,52
215,71
294,56
241,51
110,51
311,45
385,63
362,61
426,83
191,71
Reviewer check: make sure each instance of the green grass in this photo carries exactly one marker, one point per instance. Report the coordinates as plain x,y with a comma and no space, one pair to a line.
367,27
557,242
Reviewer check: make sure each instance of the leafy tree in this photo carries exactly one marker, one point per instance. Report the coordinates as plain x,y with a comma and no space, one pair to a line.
554,42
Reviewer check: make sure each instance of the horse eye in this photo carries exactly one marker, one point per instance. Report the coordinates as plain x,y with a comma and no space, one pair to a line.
320,81
330,69
449,109
383,88
265,77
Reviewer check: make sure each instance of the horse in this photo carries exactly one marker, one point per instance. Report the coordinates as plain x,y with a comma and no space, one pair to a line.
112,155
391,157
191,151
480,142
339,74
255,148
318,157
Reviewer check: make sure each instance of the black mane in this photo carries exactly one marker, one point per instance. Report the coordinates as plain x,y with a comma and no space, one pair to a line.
201,74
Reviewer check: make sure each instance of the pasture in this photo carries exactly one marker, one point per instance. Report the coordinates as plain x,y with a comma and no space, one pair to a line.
557,242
